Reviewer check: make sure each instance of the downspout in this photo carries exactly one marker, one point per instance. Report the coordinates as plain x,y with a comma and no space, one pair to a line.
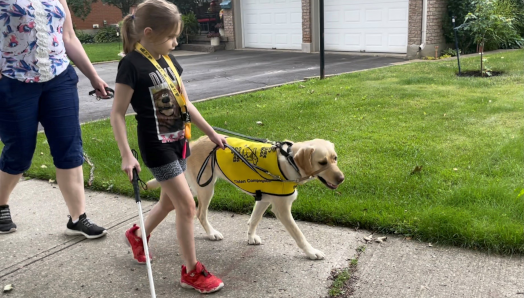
424,23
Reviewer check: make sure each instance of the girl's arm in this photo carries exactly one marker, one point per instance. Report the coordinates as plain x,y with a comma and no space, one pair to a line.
201,123
76,53
123,94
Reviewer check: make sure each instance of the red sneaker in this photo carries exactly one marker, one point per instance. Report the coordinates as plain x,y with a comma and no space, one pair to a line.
137,246
200,279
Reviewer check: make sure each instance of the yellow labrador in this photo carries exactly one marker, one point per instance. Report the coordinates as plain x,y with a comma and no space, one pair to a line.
313,159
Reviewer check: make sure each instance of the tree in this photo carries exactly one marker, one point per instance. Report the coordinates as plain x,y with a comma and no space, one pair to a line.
488,28
82,8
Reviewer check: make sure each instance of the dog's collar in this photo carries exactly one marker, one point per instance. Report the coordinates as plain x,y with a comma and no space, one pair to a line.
287,154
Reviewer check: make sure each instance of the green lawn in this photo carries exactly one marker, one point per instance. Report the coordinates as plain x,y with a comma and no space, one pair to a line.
467,133
100,52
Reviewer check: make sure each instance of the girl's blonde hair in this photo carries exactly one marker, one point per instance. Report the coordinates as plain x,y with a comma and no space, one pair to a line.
161,16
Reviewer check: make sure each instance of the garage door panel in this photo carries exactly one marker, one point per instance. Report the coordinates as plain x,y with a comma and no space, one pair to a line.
367,25
279,19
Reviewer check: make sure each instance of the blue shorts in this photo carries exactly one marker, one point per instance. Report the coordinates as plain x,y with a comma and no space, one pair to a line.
55,105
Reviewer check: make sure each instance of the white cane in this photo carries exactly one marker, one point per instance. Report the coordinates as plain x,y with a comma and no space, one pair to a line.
144,236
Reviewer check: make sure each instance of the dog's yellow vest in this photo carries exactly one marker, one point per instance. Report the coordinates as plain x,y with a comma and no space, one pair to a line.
262,155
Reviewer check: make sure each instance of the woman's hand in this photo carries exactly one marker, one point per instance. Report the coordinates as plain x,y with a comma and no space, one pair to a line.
128,164
100,87
220,140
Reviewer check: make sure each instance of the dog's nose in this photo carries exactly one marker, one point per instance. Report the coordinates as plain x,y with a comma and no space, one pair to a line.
165,99
340,179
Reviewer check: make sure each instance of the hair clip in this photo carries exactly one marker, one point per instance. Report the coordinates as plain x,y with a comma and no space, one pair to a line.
133,16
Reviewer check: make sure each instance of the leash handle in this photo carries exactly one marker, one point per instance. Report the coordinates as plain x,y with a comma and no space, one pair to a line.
110,93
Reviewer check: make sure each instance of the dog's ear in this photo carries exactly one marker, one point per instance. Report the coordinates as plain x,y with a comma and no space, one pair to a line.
303,159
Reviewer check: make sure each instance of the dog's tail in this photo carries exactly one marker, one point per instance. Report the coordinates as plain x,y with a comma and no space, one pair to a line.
153,184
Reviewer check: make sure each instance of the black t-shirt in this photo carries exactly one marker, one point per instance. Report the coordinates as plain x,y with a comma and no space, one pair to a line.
160,127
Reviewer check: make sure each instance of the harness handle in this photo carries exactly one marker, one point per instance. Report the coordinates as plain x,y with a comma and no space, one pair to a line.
241,135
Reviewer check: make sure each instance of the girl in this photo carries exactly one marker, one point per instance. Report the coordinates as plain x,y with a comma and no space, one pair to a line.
148,79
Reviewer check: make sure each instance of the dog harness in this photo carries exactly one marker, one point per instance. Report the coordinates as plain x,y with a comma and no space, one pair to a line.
253,167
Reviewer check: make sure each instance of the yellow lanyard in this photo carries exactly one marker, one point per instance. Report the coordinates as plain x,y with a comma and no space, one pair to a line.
179,97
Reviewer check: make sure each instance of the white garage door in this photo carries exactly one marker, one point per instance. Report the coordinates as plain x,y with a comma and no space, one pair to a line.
272,24
366,25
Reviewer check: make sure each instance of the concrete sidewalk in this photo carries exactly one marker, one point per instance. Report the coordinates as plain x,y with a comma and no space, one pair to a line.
40,261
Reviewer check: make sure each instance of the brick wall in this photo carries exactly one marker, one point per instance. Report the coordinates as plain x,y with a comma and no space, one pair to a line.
99,13
306,21
229,23
436,10
434,32
415,22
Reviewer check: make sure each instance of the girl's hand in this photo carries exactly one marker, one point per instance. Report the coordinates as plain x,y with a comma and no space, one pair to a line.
128,164
220,140
100,87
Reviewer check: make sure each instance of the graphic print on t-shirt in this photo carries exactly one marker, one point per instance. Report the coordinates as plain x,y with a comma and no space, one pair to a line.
169,123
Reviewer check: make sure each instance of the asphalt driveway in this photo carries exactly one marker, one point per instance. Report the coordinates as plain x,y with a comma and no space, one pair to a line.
226,72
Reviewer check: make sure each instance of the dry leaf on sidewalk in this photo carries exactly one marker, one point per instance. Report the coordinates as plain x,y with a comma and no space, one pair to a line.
51,181
8,288
369,238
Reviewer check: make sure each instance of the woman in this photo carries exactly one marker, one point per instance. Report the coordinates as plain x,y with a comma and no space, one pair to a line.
37,84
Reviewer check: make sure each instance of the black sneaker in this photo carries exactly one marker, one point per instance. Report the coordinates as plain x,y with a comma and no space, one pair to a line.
85,227
6,223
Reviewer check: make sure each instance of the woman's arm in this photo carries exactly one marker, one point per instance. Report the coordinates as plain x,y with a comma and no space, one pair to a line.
77,54
201,123
123,94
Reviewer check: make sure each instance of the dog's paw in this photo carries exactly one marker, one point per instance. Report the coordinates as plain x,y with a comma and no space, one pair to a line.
254,240
315,254
215,235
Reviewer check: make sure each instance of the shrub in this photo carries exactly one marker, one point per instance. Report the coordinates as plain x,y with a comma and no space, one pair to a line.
450,52
191,27
107,34
85,37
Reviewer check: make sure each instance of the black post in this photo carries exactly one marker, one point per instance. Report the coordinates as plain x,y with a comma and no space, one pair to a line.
322,52
456,43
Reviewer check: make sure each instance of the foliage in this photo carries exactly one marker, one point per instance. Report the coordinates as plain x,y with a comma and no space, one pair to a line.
186,6
497,12
84,37
107,34
490,29
80,8
459,9
450,52
191,27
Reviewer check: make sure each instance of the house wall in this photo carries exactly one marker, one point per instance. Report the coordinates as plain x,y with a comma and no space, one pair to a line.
99,13
434,32
310,28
